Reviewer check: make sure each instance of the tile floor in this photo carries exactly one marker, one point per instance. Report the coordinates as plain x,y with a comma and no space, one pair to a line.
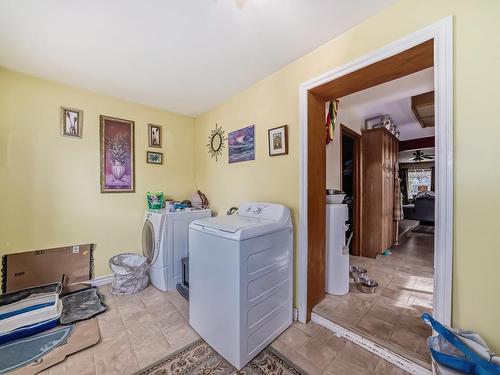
319,352
391,316
138,330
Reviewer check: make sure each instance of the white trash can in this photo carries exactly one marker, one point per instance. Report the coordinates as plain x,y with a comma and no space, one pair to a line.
130,273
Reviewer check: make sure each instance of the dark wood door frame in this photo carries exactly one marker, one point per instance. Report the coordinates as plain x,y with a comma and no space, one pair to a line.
356,172
399,65
316,202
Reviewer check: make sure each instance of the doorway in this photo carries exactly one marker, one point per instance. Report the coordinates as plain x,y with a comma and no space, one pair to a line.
395,60
350,183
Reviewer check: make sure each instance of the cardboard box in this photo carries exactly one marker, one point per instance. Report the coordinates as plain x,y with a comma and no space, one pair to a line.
40,267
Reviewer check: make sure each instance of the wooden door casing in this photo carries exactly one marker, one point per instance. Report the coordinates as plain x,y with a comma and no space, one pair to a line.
406,62
316,202
356,220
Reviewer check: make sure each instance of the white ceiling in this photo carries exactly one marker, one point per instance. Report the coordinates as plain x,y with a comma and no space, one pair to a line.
185,56
394,98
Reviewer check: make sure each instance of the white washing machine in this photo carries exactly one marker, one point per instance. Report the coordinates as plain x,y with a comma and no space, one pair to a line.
165,243
241,279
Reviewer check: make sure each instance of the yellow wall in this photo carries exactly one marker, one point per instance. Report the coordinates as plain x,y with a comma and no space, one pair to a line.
49,184
274,101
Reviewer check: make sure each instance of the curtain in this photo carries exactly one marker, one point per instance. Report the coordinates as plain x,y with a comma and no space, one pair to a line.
433,175
398,209
331,118
403,175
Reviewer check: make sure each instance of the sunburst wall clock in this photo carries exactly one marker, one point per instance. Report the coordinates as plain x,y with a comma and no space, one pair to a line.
216,142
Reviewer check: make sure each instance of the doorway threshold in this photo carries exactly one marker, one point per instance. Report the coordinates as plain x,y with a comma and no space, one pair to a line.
410,366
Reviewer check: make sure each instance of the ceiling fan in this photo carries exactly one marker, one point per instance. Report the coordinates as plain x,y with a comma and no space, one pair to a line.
420,156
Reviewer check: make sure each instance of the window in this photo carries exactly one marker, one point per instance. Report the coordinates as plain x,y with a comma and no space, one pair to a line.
418,180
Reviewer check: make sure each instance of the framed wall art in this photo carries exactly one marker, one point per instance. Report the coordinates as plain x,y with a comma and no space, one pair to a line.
71,122
242,144
153,157
154,135
117,155
278,140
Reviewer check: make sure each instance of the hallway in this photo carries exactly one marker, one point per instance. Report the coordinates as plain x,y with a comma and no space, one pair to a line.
391,316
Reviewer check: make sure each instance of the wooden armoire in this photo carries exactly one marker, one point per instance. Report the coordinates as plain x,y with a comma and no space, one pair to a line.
379,169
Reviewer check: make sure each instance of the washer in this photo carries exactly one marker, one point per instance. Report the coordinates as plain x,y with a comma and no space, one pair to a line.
241,279
165,243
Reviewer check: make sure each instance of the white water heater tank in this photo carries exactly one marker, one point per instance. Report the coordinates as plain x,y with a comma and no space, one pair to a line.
337,253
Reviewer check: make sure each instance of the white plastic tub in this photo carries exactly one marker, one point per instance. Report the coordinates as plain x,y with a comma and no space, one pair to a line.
335,198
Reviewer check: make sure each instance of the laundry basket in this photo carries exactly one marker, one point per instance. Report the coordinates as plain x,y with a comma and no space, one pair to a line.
130,273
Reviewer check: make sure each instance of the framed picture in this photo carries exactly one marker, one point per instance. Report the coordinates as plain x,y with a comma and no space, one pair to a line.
154,157
278,140
154,135
71,122
117,155
242,144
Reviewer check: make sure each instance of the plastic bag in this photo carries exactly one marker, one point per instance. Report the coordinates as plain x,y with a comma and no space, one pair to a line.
460,351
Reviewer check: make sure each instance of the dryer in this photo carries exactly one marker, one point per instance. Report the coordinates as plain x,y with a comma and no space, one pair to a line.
165,243
241,279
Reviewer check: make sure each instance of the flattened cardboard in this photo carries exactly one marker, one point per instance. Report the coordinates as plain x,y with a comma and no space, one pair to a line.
34,268
84,335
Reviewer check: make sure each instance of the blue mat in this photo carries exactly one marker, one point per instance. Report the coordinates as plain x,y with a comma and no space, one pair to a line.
24,351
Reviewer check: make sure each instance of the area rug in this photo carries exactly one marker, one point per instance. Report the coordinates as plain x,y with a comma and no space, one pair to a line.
425,229
200,359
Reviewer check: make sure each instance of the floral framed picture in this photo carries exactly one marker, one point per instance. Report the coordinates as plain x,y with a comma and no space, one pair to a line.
71,122
154,135
278,140
117,155
154,157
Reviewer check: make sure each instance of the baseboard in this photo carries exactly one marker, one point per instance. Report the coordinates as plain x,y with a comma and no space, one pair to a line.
397,360
102,280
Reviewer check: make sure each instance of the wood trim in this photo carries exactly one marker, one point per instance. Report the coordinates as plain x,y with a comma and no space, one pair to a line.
399,65
417,144
406,62
345,131
425,100
316,202
441,32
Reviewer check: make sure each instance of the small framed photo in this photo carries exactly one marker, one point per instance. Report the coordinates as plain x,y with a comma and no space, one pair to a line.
154,157
278,140
154,135
71,122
